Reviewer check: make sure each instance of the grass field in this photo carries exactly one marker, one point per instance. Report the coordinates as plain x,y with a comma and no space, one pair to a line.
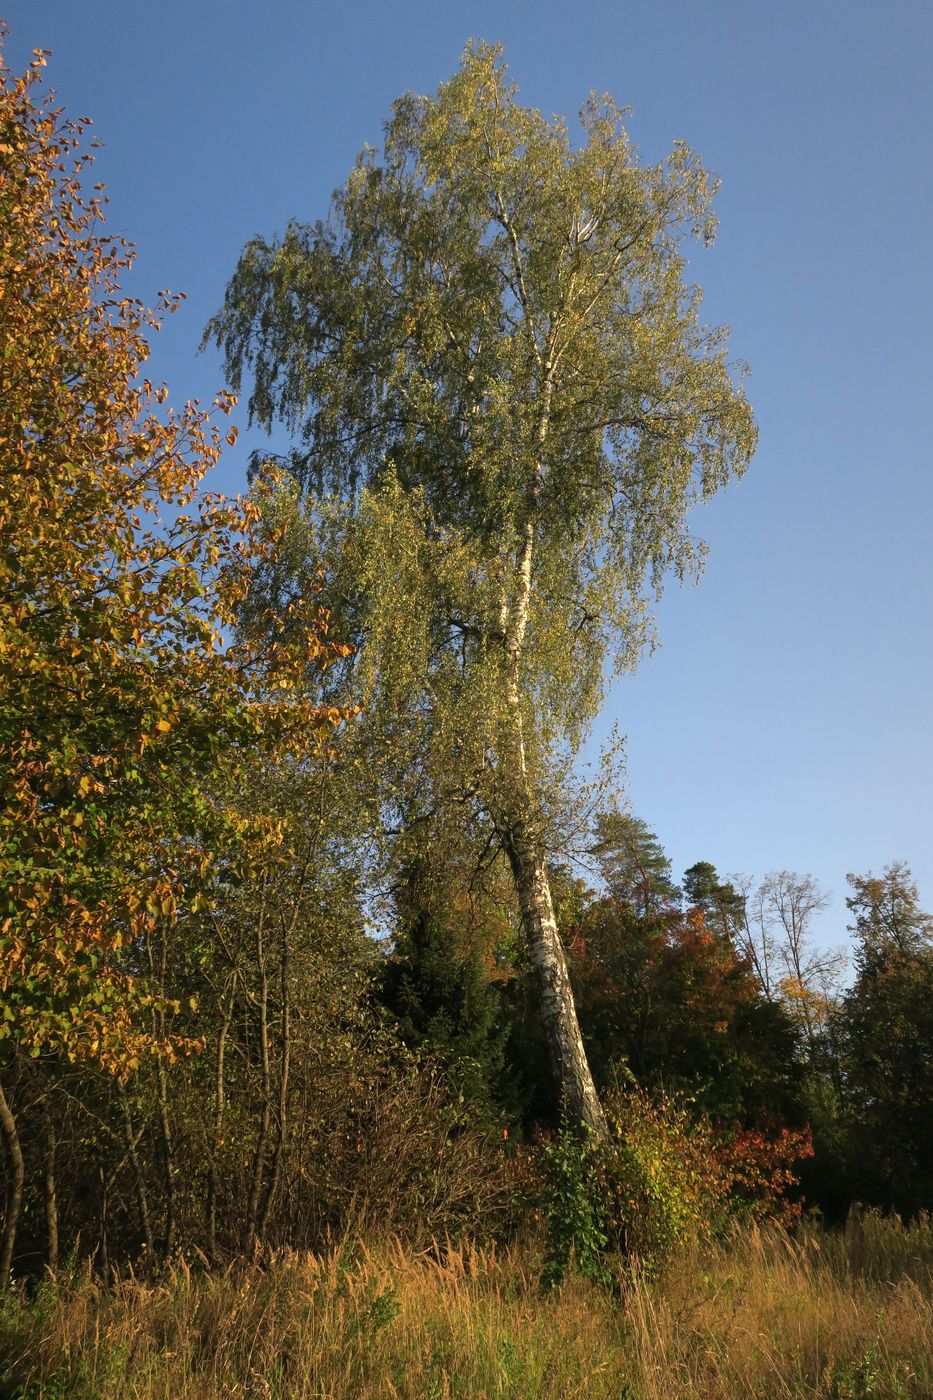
846,1316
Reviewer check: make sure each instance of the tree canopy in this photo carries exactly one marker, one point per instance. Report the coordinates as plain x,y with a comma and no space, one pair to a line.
500,322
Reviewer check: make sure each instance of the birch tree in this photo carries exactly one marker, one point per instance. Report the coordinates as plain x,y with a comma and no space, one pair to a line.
491,352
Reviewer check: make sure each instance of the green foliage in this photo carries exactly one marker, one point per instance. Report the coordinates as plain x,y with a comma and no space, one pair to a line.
575,1234
721,905
872,1377
886,1034
427,346
660,1178
664,1179
887,913
883,1030
653,1186
445,1007
633,864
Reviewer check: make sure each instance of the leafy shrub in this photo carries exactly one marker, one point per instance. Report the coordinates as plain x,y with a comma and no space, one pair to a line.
759,1173
575,1226
659,1177
662,1179
653,1185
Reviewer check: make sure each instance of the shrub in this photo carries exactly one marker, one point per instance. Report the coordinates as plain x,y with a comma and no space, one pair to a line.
655,1184
663,1179
659,1177
575,1225
759,1173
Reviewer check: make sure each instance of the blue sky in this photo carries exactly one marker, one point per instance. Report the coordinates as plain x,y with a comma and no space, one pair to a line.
785,720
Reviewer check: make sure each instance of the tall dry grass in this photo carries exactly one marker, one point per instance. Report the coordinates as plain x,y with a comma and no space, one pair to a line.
842,1316
845,1316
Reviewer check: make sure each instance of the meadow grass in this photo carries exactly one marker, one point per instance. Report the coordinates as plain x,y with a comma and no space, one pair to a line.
844,1315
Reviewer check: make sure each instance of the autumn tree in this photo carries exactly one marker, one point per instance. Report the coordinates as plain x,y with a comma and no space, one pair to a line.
886,912
123,698
490,357
665,1000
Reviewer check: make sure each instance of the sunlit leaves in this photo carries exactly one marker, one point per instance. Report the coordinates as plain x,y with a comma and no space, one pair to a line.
483,264
122,695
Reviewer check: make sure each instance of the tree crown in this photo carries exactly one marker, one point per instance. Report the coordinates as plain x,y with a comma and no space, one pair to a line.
492,333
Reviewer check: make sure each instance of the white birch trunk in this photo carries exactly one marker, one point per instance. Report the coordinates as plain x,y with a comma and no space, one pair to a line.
558,1012
526,852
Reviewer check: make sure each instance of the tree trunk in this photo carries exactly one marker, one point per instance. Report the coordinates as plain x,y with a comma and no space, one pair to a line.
139,1181
51,1196
165,1121
284,1064
558,1012
251,1238
522,842
168,1157
220,1103
103,1246
14,1187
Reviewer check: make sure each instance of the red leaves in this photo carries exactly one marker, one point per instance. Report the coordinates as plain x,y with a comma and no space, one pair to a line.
759,1169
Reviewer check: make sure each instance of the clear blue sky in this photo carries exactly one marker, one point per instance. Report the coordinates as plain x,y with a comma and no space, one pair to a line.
786,719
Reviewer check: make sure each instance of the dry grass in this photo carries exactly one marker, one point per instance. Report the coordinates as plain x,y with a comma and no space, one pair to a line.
845,1317
842,1316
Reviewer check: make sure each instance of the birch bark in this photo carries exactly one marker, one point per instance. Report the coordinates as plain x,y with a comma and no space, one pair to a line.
524,845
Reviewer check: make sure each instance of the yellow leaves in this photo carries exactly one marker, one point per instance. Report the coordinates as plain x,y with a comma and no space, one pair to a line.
232,436
127,579
335,714
161,901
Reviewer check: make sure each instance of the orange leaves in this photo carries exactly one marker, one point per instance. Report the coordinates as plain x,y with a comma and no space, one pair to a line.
122,700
